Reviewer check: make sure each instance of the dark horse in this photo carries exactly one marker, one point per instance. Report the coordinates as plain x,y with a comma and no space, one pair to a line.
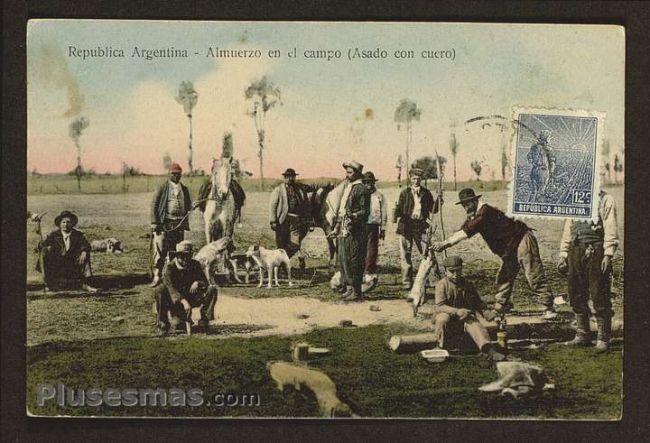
319,209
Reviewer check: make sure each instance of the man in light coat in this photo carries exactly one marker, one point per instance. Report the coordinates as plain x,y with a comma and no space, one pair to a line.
289,214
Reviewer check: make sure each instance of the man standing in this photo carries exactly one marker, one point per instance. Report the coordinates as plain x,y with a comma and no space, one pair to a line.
511,240
351,229
414,207
289,214
184,286
169,207
375,226
459,308
542,160
586,252
65,256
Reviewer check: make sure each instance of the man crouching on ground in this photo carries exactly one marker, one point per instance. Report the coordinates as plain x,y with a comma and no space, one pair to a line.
184,286
459,305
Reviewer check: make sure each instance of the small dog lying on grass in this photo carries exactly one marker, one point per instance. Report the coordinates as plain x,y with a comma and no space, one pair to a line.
111,245
270,259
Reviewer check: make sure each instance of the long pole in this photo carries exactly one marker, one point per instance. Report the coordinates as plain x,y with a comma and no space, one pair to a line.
442,223
189,116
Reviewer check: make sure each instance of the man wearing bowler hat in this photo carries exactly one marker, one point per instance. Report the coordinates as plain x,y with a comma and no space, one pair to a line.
414,207
184,286
169,207
66,256
510,239
459,308
289,214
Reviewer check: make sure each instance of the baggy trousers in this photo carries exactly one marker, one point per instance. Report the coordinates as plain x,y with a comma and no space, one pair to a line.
586,280
164,242
372,248
406,242
528,259
446,325
165,305
289,235
352,256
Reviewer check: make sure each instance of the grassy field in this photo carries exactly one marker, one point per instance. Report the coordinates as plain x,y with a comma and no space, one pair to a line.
372,380
105,340
115,184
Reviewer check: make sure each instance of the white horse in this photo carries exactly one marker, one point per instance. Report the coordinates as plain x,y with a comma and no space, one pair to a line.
219,214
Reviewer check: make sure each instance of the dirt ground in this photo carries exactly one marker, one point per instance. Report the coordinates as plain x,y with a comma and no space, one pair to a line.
124,306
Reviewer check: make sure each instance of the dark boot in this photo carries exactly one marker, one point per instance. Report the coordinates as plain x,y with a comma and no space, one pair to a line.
604,334
492,353
349,292
583,331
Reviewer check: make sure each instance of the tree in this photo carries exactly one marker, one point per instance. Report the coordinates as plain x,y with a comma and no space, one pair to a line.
477,167
188,97
167,161
76,128
606,151
453,147
429,167
399,164
405,113
618,167
504,162
264,95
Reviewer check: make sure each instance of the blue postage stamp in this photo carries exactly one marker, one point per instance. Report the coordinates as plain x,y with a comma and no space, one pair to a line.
555,160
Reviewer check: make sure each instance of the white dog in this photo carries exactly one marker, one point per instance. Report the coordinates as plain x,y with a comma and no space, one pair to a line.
211,255
270,259
111,245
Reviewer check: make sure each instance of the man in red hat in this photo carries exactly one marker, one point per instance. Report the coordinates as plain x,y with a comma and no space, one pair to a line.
289,213
510,239
66,256
169,208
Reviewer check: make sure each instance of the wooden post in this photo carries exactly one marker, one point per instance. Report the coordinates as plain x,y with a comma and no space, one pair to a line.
409,344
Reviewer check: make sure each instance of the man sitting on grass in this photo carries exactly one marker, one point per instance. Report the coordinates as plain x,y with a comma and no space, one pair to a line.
459,308
65,256
184,286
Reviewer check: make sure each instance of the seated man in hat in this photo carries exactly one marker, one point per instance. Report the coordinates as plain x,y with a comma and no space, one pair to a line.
184,286
65,256
459,308
510,239
289,214
414,207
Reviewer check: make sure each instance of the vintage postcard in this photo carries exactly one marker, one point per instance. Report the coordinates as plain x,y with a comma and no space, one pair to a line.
325,219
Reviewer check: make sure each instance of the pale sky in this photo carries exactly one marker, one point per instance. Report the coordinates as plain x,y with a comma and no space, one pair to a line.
323,119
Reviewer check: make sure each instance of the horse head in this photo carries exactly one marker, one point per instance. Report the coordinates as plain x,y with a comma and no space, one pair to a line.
221,177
